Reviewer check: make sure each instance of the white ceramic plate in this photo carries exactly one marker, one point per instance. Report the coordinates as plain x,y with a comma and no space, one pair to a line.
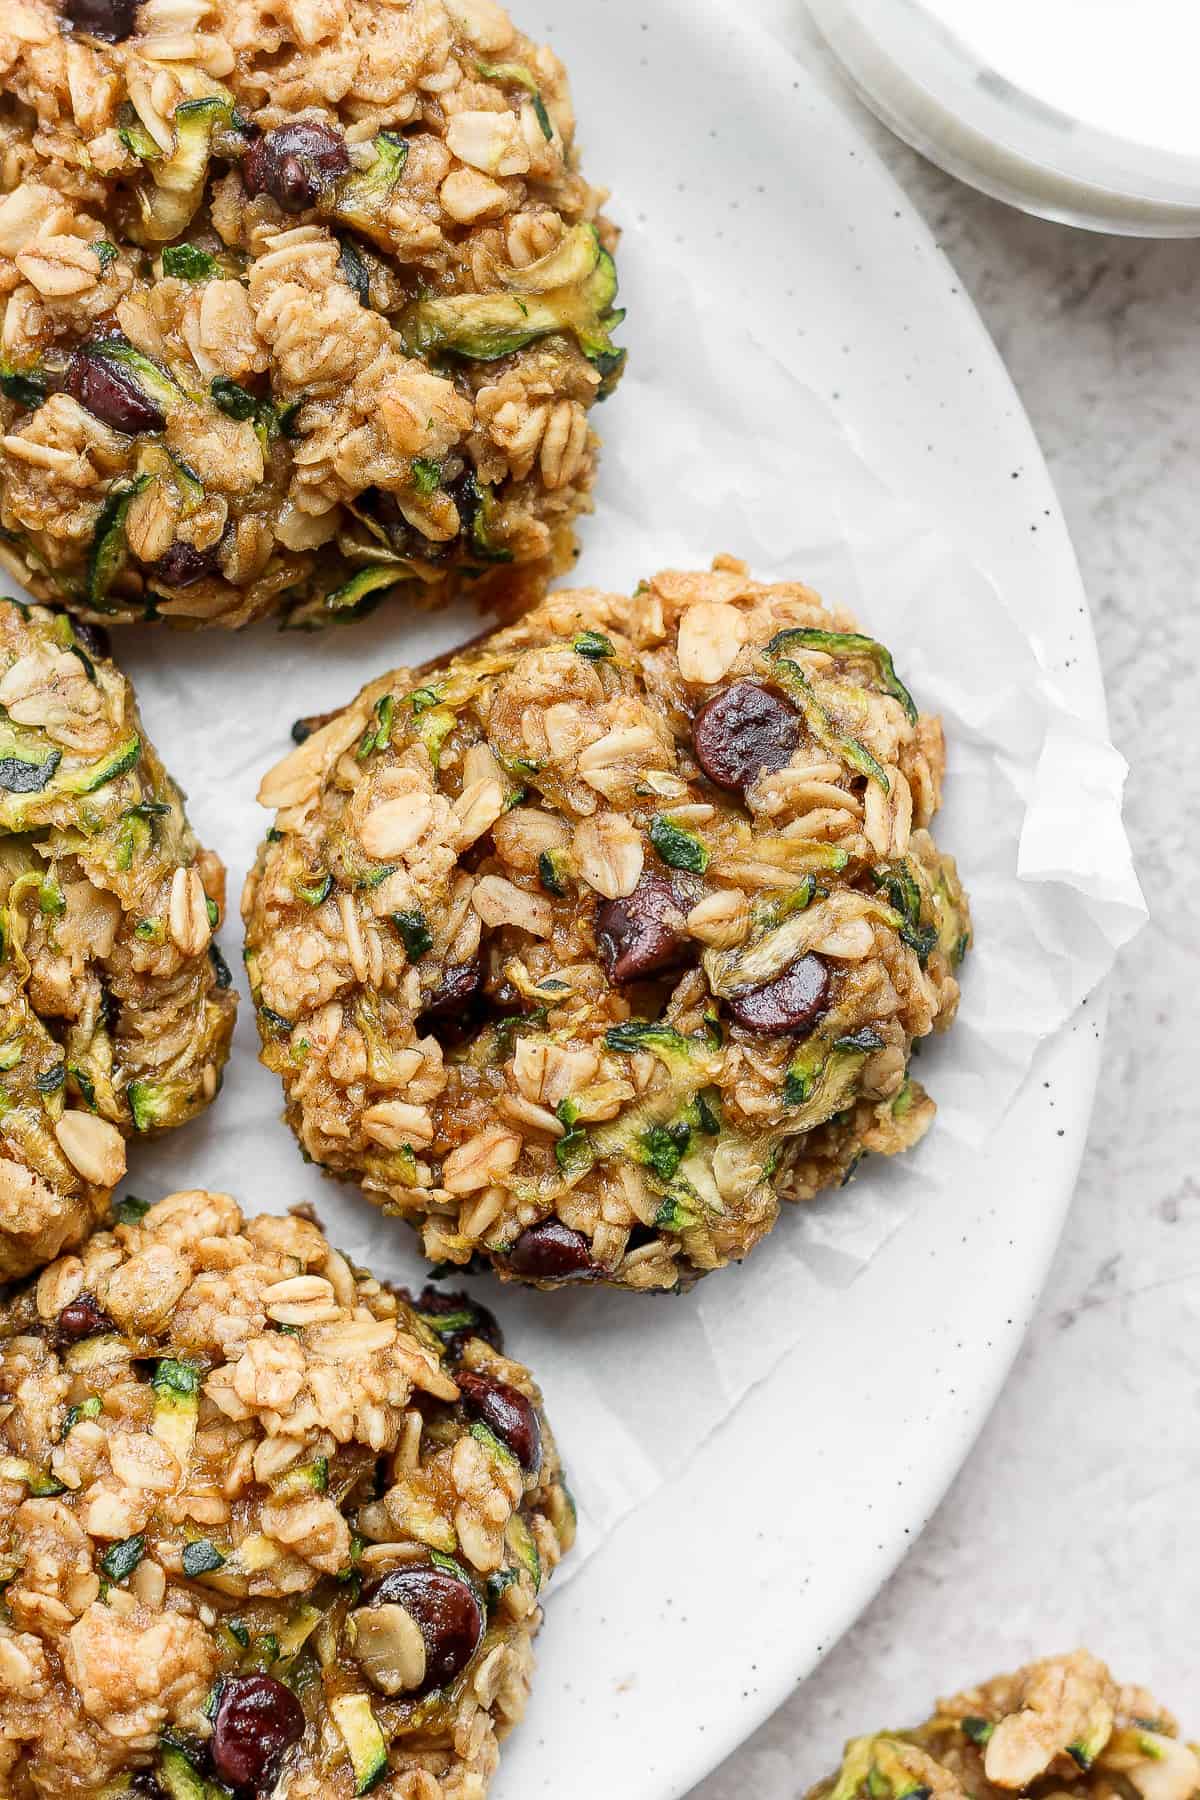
705,1609
698,1614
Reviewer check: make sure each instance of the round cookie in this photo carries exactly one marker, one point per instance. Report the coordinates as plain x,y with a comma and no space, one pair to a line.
1061,1726
582,948
261,1518
302,306
116,1008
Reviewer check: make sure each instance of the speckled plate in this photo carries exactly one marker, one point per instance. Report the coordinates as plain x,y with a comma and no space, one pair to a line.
704,1610
703,1607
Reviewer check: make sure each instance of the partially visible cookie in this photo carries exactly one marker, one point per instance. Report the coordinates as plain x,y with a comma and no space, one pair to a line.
1059,1727
302,305
261,1518
116,1009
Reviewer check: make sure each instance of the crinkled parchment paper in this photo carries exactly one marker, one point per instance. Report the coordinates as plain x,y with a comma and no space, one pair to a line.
712,444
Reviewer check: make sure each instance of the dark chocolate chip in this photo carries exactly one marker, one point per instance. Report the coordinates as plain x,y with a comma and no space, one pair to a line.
182,564
793,1002
551,1251
642,933
143,1783
110,393
295,163
94,638
507,1412
742,731
436,1304
446,1611
459,983
258,1719
82,1318
112,20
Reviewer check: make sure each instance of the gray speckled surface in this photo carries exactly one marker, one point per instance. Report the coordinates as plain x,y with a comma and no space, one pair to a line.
1073,1520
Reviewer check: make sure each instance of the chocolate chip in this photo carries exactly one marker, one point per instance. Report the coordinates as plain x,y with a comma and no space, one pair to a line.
793,1002
112,20
257,1720
110,393
94,638
742,731
551,1251
82,1318
507,1412
483,1324
182,564
643,932
446,1611
295,163
459,984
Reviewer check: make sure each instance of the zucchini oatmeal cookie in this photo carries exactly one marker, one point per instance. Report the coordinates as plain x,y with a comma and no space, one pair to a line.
265,1526
1059,1729
301,303
584,947
116,1008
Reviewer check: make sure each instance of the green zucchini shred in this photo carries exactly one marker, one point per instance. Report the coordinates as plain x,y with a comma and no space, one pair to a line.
189,262
106,768
309,1478
169,205
847,749
542,116
476,502
379,735
231,398
109,551
573,1151
122,1559
426,474
592,644
678,847
133,134
820,1077
200,1558
91,1408
365,1743
415,934
361,199
26,386
663,1148
176,1376
850,644
904,896
21,773
354,269
517,75
571,291
554,872
673,1215
315,893
372,580
663,1041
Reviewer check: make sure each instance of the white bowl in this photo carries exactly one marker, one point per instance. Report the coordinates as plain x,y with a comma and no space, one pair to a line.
1084,121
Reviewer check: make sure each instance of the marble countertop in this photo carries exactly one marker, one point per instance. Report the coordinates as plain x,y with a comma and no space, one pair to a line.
1073,1519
